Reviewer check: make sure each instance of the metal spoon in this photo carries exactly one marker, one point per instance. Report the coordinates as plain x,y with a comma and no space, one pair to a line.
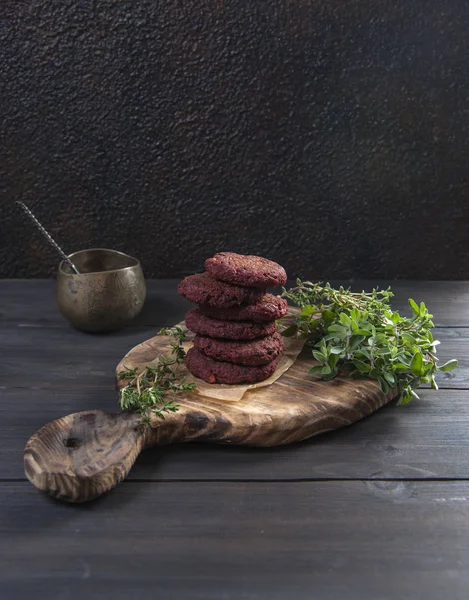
48,237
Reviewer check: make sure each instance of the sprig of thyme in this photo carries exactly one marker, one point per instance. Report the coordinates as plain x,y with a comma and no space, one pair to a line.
359,333
145,390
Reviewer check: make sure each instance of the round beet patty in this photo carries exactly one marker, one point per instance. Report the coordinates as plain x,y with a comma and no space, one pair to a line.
240,269
203,289
232,330
251,352
214,371
267,309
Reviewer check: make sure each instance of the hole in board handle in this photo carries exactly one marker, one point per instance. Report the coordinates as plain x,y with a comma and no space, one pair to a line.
72,442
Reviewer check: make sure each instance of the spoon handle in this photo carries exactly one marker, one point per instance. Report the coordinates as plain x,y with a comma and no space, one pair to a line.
48,237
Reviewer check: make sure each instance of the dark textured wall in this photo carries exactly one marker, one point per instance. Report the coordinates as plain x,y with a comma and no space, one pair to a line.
329,135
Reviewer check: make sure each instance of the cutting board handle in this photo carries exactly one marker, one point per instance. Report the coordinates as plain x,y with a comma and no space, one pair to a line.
83,455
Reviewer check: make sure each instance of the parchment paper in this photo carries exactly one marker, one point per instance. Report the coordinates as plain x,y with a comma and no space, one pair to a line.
223,392
234,393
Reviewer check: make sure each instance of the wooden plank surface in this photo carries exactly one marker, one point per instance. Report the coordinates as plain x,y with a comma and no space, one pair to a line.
33,301
328,540
57,358
424,440
207,522
47,372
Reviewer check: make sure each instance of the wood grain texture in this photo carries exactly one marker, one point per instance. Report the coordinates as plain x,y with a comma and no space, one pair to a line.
295,407
33,301
256,541
83,455
423,440
262,540
62,358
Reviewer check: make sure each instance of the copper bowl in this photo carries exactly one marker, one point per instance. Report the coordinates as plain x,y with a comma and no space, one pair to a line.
107,294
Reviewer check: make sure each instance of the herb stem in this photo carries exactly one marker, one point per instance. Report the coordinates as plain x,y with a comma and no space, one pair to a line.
364,337
146,391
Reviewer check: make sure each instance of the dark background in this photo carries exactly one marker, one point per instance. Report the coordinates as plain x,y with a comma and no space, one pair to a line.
330,136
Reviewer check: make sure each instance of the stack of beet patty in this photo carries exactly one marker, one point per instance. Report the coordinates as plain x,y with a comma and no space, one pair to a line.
236,339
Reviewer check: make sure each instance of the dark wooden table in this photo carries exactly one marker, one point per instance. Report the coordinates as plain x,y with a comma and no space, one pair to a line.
378,511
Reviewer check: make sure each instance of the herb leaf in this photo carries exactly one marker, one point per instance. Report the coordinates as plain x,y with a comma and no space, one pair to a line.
145,391
449,366
359,333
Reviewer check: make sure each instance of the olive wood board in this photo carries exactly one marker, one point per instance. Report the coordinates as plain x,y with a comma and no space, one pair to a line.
84,455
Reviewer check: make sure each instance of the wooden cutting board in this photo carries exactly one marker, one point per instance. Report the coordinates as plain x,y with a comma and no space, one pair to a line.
81,456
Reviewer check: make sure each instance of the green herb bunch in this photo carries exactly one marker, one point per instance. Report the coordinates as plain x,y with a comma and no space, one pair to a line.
145,390
360,334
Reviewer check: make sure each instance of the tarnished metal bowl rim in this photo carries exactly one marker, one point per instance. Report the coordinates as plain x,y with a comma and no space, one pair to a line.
88,250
